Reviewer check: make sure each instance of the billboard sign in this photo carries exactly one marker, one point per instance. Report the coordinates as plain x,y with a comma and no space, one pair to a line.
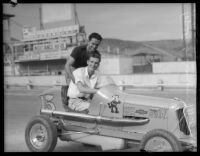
45,55
33,34
50,56
27,57
56,12
28,32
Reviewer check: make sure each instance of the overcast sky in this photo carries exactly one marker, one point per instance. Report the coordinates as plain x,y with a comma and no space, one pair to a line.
127,21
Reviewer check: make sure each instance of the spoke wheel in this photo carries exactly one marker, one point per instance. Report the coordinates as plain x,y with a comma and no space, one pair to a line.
41,134
158,144
159,140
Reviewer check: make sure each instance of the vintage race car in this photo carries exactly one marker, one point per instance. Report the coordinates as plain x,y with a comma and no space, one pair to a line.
116,120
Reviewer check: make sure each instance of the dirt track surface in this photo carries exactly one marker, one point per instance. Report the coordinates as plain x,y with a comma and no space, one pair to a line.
21,104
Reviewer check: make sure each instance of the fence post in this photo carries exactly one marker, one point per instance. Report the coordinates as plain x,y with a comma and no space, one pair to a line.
121,85
160,84
57,83
29,85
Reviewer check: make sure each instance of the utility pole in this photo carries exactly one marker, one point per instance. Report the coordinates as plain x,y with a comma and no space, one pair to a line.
76,15
8,41
193,31
40,16
183,24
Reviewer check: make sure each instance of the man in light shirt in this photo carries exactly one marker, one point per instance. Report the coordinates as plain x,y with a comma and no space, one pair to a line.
86,81
78,58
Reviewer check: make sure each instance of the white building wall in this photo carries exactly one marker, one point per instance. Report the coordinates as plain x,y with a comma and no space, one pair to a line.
126,65
109,65
116,65
174,67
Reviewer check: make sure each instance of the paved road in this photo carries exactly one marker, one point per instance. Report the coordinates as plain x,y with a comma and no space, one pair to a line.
20,105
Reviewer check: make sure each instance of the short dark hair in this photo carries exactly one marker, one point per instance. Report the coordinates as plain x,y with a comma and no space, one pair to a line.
95,35
95,54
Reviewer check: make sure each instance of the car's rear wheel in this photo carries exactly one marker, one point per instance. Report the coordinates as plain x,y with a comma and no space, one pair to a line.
41,134
159,140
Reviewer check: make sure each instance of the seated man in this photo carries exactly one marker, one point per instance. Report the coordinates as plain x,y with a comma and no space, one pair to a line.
86,80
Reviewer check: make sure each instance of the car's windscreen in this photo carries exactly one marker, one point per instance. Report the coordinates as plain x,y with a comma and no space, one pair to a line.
106,80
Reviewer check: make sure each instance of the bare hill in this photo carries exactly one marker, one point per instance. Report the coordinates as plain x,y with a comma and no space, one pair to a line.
173,47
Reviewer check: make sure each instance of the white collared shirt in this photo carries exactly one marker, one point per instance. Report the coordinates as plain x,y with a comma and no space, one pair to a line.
81,75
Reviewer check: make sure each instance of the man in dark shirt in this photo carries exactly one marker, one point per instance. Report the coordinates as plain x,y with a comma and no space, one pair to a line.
78,58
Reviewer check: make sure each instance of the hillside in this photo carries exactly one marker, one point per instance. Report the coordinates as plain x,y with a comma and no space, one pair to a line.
167,44
173,47
122,44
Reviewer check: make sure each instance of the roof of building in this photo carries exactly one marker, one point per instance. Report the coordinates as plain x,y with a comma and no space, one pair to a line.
7,16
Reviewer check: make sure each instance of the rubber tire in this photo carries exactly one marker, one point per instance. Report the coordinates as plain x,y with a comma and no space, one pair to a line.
173,141
51,132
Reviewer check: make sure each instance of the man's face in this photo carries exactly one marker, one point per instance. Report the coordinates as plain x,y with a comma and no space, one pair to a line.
93,64
93,45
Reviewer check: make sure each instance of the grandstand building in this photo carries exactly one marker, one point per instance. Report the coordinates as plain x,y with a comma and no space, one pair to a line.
7,44
44,51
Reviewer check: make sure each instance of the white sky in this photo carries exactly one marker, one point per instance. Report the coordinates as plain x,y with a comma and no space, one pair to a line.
127,21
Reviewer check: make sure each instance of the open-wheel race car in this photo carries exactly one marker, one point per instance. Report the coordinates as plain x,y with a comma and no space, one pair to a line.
116,120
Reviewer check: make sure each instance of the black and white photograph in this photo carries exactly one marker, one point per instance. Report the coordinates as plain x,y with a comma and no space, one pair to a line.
99,77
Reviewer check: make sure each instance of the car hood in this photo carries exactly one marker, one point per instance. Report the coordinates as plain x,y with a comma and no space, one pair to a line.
141,100
53,90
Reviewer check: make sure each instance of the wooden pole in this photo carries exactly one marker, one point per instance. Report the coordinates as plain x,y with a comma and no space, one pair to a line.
40,15
183,24
28,70
47,68
76,15
193,30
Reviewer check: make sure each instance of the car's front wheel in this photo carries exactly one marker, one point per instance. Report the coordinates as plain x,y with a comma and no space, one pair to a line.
160,140
41,134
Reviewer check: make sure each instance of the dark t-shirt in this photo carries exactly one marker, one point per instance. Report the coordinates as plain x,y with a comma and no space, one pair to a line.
80,56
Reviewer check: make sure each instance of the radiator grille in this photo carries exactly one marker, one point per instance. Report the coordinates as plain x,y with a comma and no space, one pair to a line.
182,122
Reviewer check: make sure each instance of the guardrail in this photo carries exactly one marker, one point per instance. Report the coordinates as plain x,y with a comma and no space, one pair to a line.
159,81
157,86
160,87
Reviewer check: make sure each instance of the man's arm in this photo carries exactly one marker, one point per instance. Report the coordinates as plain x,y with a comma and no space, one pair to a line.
84,89
69,69
98,85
